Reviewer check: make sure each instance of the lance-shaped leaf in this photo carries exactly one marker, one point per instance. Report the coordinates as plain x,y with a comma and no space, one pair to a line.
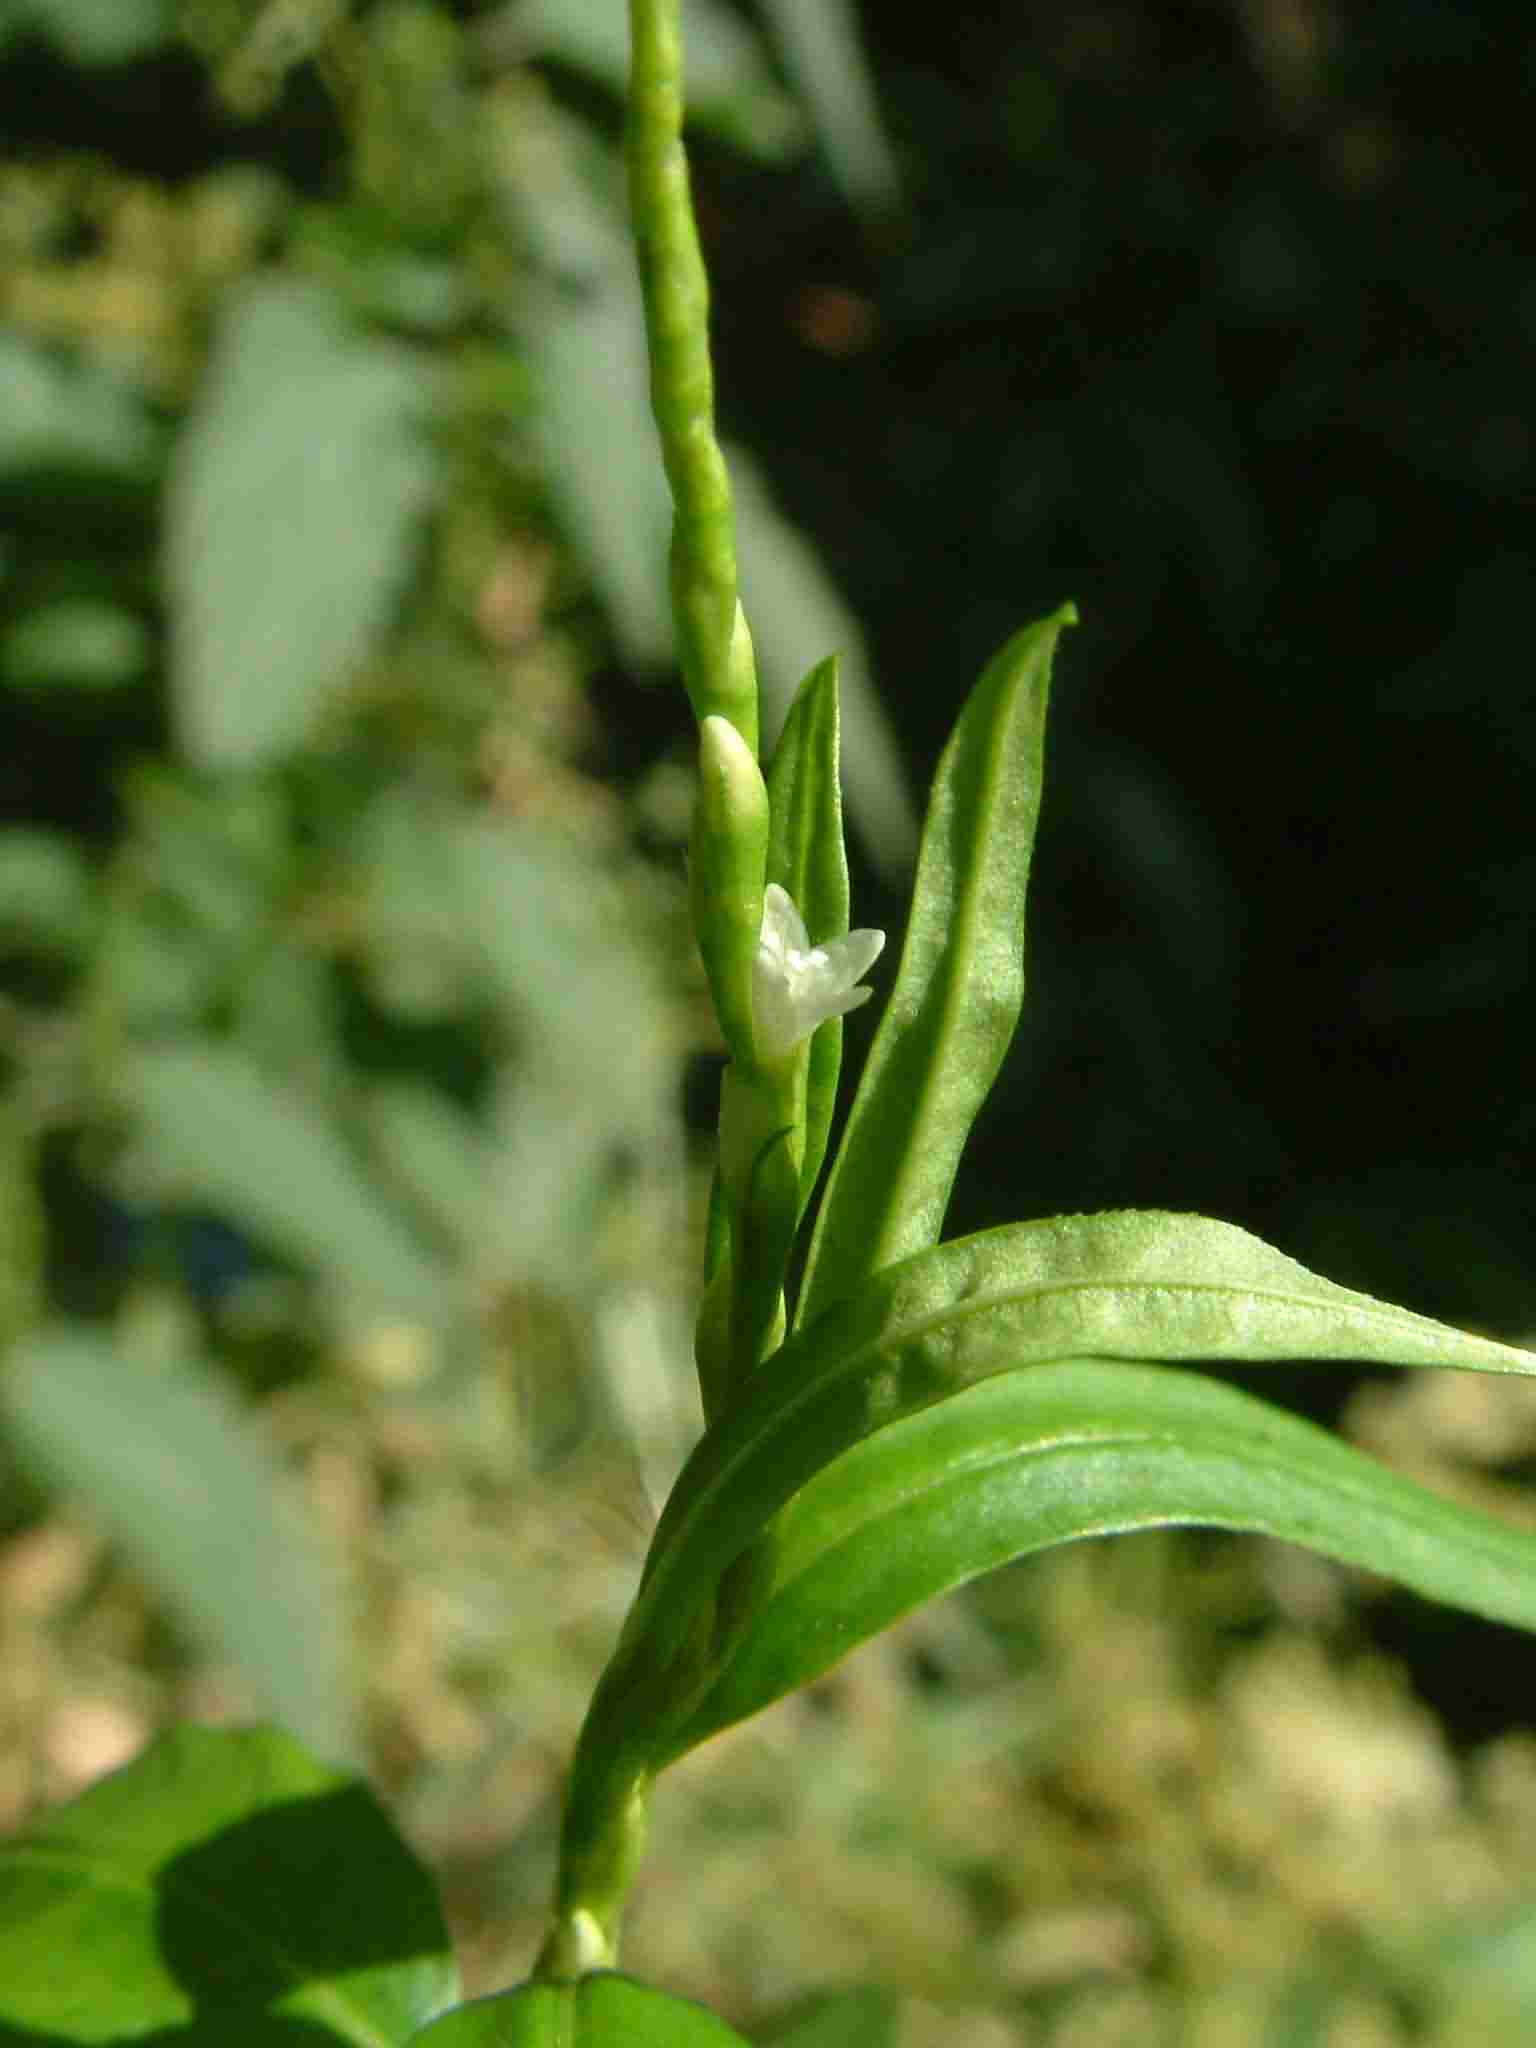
956,999
1137,1286
1052,1453
604,2010
806,858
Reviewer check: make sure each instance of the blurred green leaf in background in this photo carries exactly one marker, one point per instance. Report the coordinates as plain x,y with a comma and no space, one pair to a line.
300,480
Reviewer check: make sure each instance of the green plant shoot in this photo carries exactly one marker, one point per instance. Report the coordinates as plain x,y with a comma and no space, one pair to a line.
919,1411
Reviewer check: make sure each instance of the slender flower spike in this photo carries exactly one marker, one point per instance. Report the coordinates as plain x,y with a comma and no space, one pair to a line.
795,985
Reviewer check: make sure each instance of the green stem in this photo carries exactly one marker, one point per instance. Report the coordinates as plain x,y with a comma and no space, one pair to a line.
713,645
609,1789
607,1802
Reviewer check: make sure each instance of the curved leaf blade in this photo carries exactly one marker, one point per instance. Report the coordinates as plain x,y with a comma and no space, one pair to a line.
1053,1453
602,2011
950,1016
807,857
1135,1285
226,1886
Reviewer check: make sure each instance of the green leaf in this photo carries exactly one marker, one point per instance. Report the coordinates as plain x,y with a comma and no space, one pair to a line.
217,1132
257,43
101,31
592,432
184,1485
504,917
555,940
1476,1973
1135,1285
227,1889
78,643
806,857
60,414
950,1016
291,520
602,2011
437,1153
1056,1452
865,2018
47,895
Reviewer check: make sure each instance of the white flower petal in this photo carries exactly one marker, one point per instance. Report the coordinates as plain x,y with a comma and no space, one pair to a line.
796,986
783,926
855,953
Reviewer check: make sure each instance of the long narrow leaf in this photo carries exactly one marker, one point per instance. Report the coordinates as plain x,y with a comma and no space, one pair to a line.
806,856
1054,1453
952,1012
1137,1286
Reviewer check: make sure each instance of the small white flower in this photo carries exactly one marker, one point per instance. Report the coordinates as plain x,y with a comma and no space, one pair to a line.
795,985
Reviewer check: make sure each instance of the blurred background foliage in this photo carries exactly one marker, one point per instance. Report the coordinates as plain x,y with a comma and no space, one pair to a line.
355,1063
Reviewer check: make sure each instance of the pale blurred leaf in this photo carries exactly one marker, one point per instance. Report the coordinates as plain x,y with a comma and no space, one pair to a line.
593,431
730,85
55,413
820,41
459,910
47,901
604,2010
436,1152
254,44
216,1132
182,1483
78,643
594,1070
579,319
92,31
291,521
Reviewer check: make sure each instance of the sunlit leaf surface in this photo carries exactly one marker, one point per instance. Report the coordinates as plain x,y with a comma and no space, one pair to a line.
226,1888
